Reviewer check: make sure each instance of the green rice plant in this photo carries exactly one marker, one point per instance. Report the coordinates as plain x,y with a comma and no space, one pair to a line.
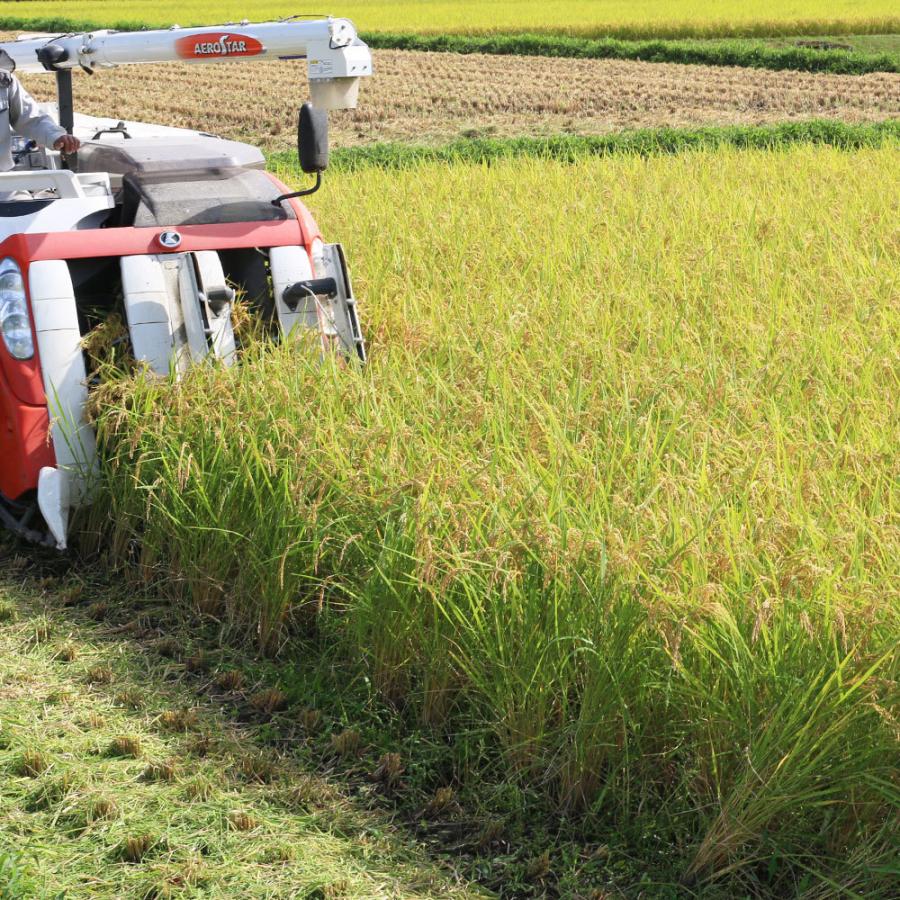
612,503
755,53
584,18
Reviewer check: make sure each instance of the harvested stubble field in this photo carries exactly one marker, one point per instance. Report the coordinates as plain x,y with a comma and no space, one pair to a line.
124,775
433,97
620,18
612,510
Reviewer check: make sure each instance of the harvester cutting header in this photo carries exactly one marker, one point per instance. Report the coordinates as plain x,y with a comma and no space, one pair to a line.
163,226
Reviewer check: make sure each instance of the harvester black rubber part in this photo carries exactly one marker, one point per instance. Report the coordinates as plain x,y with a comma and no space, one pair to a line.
309,287
278,200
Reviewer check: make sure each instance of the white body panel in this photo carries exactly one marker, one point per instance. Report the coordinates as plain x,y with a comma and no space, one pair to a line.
288,265
151,291
336,58
171,321
83,200
55,502
62,365
333,317
339,321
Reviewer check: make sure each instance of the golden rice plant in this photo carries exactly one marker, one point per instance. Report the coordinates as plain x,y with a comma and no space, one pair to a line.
619,18
613,496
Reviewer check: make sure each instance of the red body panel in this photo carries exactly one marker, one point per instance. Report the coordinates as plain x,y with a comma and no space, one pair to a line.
141,241
24,438
24,447
24,418
22,377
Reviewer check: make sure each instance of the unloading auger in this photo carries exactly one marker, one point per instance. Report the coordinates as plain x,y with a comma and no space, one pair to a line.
164,224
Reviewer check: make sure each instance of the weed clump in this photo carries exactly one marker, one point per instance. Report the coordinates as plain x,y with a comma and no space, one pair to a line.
202,745
131,698
280,853
41,630
67,653
199,788
198,663
60,697
490,834
8,612
52,790
537,868
258,767
311,719
172,880
71,595
308,792
162,770
168,648
346,742
442,803
390,768
98,611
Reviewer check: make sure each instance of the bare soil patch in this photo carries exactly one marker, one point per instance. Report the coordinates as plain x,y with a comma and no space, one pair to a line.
433,97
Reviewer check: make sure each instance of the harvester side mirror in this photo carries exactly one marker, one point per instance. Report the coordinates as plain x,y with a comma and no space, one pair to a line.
312,139
312,148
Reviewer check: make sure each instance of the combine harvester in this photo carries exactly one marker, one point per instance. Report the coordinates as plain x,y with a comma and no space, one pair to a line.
161,224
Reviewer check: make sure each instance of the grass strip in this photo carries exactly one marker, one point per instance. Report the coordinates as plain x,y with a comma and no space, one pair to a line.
641,142
747,53
729,52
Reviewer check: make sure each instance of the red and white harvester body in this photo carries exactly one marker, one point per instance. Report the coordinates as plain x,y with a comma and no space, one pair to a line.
163,225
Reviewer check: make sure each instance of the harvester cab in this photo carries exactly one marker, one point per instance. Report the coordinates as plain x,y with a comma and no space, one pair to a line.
166,227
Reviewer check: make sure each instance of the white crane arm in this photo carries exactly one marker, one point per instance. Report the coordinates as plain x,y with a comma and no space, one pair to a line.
335,57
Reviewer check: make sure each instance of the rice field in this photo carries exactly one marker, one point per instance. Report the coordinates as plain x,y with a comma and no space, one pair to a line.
586,18
613,508
435,97
588,585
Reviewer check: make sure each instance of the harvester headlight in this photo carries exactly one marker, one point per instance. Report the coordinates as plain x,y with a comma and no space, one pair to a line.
14,319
